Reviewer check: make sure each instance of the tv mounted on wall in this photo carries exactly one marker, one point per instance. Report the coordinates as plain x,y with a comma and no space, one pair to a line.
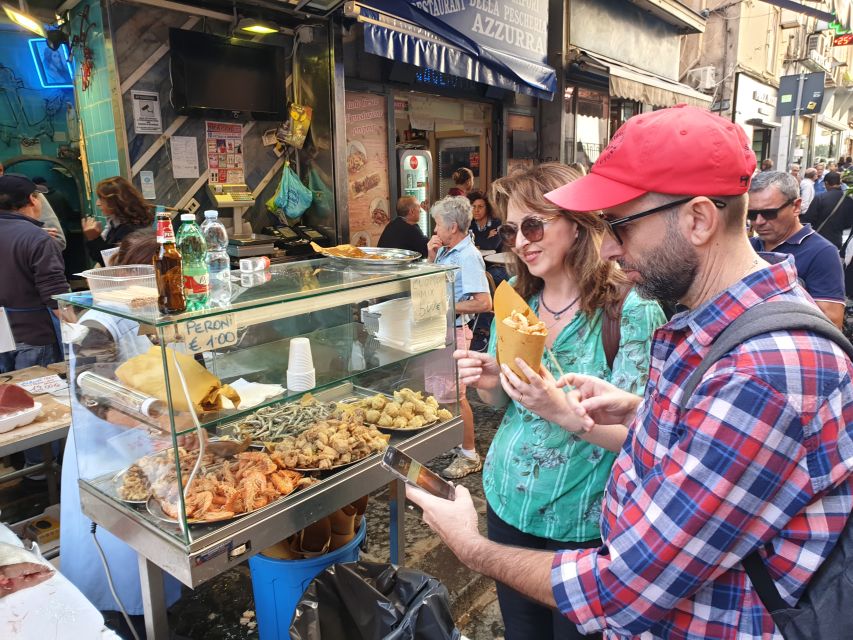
212,73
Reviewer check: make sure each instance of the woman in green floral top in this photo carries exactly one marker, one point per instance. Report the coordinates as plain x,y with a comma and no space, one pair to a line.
544,485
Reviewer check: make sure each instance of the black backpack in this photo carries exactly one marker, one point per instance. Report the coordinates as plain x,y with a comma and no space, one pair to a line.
825,610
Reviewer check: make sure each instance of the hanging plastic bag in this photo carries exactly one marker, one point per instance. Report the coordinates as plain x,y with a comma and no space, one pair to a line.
292,197
371,601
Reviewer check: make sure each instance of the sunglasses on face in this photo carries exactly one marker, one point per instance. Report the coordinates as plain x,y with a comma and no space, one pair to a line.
532,228
614,225
767,214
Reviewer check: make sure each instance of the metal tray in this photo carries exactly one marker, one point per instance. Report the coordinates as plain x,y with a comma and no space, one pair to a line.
392,430
395,259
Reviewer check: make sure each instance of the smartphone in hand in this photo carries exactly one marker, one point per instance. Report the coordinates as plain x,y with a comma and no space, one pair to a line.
416,474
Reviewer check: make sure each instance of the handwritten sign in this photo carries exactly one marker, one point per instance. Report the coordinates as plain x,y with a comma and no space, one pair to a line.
45,384
206,334
429,296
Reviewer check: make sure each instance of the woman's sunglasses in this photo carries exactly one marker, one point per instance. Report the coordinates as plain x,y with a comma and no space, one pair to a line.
532,228
767,214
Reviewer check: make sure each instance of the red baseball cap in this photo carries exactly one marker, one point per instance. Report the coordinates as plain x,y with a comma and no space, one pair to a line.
681,150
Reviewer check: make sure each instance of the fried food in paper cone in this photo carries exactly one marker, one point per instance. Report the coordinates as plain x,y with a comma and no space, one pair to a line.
520,333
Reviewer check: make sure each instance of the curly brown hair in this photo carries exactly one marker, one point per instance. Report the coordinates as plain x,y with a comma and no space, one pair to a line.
600,282
124,201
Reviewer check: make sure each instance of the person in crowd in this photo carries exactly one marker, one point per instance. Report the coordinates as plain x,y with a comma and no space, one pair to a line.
33,273
463,179
819,187
50,223
794,170
831,166
543,486
403,231
767,164
451,244
831,212
125,210
757,459
108,342
58,202
484,225
807,185
774,212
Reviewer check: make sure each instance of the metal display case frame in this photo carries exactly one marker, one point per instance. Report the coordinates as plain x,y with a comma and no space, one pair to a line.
216,547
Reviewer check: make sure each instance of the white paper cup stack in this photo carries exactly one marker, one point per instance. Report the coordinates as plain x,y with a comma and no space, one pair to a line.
300,366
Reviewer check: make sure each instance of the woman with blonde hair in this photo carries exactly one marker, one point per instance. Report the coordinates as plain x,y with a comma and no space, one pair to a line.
544,475
463,178
126,211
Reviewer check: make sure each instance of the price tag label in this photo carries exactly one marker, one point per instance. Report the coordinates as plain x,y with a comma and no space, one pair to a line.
45,384
207,334
429,296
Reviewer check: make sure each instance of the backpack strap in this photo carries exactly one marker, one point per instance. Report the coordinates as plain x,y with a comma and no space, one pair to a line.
611,329
758,320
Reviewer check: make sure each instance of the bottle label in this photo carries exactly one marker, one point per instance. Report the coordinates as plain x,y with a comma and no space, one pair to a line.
165,233
196,284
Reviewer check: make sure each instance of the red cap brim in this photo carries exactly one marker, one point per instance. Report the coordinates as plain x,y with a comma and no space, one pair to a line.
593,192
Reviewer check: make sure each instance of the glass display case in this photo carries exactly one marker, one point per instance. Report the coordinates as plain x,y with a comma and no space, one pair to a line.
204,437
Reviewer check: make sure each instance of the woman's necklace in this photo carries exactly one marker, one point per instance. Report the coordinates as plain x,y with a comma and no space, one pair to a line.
557,314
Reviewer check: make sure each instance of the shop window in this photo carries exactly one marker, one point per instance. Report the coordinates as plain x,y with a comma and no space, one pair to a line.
761,144
587,124
620,111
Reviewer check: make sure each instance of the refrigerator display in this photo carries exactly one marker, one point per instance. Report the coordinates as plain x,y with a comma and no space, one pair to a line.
415,172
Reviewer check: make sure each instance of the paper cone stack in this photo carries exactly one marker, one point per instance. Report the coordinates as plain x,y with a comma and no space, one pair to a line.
512,343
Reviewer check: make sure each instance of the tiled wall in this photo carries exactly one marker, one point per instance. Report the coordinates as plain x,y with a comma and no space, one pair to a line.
95,105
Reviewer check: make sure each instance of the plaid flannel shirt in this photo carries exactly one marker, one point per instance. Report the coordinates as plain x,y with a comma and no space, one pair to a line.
760,459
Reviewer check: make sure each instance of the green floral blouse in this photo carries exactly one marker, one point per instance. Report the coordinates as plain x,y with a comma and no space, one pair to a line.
539,478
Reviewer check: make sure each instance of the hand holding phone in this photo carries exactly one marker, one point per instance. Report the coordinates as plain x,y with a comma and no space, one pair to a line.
416,474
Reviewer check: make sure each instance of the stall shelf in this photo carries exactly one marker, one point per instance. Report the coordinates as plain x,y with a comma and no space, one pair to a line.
130,345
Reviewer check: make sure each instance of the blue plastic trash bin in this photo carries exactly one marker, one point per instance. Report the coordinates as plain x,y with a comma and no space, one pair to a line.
279,584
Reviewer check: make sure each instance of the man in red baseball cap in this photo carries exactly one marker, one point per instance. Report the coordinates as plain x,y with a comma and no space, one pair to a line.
753,467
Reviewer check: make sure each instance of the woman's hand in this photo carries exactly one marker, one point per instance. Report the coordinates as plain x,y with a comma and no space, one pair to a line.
477,370
605,403
542,396
91,228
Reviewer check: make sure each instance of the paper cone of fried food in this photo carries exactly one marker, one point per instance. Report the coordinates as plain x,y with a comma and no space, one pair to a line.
520,332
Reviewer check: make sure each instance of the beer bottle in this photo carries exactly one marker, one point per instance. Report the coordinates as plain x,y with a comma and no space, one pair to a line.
167,267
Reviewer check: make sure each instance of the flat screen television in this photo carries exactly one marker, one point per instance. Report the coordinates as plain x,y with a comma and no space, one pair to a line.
212,73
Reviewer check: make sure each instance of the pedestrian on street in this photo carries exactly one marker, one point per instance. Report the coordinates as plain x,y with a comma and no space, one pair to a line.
807,188
819,186
774,212
831,212
794,170
543,486
758,460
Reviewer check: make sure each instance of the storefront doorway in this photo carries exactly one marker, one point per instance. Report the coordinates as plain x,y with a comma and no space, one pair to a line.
761,143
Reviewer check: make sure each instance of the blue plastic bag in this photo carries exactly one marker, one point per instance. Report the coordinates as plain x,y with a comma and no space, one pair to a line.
292,197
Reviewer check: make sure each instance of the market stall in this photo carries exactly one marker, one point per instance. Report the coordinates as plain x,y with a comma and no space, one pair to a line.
379,339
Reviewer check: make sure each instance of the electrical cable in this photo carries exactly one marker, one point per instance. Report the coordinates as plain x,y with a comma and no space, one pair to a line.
110,582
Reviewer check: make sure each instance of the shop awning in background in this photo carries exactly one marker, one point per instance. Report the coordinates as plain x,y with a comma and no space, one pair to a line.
632,83
399,31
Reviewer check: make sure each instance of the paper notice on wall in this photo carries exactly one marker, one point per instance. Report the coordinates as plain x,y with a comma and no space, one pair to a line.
184,156
224,143
146,112
146,179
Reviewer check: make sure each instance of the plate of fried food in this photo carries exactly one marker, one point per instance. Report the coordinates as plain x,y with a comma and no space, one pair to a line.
348,255
250,481
406,411
329,444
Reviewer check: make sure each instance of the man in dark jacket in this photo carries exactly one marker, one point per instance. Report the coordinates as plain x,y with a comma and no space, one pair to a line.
822,207
33,273
403,231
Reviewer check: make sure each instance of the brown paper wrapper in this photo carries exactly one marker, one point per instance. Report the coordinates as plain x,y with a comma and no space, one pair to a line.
512,344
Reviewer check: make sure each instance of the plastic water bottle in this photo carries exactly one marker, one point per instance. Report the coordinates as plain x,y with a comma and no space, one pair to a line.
193,250
218,262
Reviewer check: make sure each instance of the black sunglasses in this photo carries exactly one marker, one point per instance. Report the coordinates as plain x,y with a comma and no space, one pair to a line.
767,214
613,224
532,228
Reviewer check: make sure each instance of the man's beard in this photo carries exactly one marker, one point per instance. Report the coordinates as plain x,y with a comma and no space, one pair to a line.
668,271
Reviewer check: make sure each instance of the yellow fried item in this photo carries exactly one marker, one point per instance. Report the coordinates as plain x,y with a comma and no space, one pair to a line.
518,321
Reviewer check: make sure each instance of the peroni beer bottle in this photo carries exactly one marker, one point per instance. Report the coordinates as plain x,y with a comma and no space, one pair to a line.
167,267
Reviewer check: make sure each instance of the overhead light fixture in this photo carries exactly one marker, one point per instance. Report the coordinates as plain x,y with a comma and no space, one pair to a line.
259,27
23,20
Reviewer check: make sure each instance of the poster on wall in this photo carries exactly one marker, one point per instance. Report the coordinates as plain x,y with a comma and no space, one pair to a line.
368,193
146,112
224,153
184,156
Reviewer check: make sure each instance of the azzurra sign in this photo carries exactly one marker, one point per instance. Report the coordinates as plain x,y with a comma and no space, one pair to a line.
517,27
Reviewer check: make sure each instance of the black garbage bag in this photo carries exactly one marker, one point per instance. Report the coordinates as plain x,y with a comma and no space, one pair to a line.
373,601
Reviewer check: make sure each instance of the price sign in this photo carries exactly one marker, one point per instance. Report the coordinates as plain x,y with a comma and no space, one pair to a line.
429,296
45,384
206,334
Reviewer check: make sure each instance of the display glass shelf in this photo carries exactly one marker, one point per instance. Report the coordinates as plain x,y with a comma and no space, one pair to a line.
146,389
